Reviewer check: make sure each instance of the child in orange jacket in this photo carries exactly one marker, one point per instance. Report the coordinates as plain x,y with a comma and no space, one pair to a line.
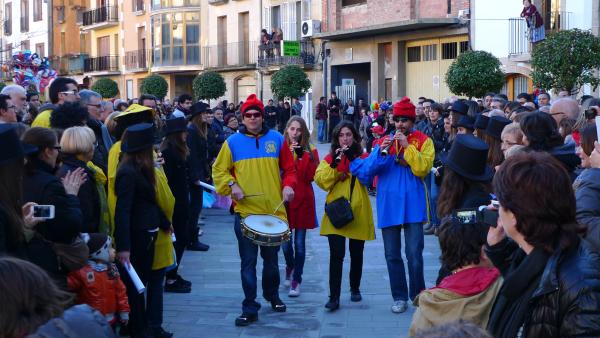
98,283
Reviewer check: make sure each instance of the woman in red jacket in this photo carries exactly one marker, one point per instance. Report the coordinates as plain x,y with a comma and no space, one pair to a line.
301,211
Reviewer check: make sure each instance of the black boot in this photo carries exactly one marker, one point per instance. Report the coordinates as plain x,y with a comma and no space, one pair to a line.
246,319
333,304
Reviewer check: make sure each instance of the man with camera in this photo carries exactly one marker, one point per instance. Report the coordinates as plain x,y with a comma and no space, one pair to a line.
401,162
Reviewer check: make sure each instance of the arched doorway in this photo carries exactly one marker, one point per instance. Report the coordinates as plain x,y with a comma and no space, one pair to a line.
244,86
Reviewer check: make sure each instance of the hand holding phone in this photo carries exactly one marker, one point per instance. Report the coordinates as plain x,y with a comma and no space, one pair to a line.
43,212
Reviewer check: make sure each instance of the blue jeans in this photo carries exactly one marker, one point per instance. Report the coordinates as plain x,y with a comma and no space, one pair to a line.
322,130
414,242
432,193
270,273
295,262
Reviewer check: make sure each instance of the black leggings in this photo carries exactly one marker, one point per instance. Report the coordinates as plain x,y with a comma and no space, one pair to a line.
182,234
196,199
337,251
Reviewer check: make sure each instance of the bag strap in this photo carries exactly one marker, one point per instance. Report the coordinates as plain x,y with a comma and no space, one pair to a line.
352,187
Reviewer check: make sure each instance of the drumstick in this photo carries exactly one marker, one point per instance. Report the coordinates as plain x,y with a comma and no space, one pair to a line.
254,195
279,206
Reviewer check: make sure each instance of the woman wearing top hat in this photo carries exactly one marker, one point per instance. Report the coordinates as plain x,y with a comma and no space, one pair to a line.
467,178
493,138
138,219
175,153
15,215
199,170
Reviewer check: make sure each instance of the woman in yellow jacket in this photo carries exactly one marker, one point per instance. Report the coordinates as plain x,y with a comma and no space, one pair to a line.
333,175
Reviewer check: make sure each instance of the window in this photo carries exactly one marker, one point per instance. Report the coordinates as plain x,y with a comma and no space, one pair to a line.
39,49
25,45
60,14
79,15
129,89
430,53
464,46
449,51
353,2
158,4
138,5
306,10
9,48
8,18
37,10
24,15
414,54
176,39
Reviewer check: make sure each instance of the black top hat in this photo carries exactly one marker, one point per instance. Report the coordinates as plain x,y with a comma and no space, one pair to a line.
496,125
460,107
12,147
481,121
139,136
198,108
175,125
468,158
466,122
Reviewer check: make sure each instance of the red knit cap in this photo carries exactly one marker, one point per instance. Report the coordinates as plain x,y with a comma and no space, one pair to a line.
405,108
252,102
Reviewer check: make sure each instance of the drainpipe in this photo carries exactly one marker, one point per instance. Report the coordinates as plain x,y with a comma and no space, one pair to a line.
258,72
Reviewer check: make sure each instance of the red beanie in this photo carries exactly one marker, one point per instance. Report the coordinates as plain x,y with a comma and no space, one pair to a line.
252,102
405,108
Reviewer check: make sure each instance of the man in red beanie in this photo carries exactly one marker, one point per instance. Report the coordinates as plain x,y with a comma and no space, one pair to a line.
256,161
401,199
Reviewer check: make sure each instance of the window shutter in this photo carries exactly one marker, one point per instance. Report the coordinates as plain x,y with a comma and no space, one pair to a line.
267,19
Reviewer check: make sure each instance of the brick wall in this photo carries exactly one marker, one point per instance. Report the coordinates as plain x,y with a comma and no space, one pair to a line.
375,12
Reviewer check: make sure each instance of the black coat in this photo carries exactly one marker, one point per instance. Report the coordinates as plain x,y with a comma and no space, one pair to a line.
587,194
475,197
271,116
176,170
89,199
101,150
42,187
8,244
199,160
566,300
136,209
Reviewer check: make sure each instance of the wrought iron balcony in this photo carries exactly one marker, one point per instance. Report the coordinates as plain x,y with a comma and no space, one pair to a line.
69,64
274,55
101,16
234,54
137,59
108,63
518,37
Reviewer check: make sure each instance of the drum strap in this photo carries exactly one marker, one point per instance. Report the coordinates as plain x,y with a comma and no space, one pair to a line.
352,187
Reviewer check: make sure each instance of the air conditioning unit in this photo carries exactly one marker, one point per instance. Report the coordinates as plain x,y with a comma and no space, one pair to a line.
310,27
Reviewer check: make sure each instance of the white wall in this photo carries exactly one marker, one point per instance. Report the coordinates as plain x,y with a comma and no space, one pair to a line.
38,30
581,13
490,25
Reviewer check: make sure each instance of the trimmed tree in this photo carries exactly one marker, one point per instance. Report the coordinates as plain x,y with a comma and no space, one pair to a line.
106,87
475,73
566,60
208,86
155,85
290,81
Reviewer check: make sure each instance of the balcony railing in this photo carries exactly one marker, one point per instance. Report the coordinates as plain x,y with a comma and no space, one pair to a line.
137,59
69,64
108,14
273,55
518,37
167,56
557,21
108,63
234,54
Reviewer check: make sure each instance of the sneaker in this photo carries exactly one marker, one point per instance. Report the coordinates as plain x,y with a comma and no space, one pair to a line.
355,296
333,304
246,319
177,287
294,289
198,246
288,276
399,306
159,332
277,305
183,281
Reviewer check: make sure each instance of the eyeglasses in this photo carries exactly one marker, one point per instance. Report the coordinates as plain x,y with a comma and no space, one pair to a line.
70,92
559,113
400,119
95,105
508,143
253,115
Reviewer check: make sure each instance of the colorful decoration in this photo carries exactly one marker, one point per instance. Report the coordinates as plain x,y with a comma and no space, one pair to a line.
29,69
374,106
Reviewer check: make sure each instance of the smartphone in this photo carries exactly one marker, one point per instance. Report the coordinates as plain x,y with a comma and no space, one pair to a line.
43,211
598,127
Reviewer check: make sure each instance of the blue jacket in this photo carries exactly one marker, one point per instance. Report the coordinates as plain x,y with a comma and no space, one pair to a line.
401,194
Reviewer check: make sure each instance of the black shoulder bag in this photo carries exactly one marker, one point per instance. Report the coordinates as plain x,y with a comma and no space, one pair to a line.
340,211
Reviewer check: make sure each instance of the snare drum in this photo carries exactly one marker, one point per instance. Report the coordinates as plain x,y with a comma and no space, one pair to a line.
265,230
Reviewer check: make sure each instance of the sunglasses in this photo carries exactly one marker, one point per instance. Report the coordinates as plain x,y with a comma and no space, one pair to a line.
69,92
253,115
400,119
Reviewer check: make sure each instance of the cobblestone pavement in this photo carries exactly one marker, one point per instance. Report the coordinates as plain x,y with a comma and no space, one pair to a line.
215,301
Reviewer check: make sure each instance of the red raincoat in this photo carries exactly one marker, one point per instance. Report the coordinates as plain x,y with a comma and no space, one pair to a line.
301,211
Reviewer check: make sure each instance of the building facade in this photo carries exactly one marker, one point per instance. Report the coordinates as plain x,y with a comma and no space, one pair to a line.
405,51
497,27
